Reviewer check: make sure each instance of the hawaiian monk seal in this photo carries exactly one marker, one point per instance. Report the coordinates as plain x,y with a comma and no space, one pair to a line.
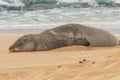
65,35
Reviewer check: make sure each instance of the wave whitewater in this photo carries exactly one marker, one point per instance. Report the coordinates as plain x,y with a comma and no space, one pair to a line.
49,4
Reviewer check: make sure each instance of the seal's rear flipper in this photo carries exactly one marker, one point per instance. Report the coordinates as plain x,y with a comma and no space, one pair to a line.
82,41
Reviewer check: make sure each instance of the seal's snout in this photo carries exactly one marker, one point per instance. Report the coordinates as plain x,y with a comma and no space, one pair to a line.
11,49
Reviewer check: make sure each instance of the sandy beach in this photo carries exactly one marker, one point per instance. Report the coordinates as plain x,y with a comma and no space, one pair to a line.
67,63
21,17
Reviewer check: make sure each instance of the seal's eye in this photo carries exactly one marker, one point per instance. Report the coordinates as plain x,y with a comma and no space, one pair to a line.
18,44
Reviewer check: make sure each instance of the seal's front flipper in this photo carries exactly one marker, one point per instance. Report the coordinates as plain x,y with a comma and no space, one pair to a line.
81,41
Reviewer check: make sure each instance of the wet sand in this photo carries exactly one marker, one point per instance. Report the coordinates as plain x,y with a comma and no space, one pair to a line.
67,63
115,31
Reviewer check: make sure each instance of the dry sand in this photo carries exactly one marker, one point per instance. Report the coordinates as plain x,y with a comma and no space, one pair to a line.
67,63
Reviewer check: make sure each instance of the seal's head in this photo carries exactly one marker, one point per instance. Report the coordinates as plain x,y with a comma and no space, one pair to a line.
24,43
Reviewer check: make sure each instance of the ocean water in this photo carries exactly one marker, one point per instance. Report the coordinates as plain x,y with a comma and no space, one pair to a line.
45,14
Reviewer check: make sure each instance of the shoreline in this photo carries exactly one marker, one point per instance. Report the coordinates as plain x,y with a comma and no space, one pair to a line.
20,31
115,31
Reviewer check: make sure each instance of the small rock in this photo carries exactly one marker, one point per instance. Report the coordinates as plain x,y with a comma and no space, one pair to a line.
80,61
93,62
59,66
110,56
84,60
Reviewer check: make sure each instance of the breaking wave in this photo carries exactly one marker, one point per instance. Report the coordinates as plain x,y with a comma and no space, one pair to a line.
49,4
